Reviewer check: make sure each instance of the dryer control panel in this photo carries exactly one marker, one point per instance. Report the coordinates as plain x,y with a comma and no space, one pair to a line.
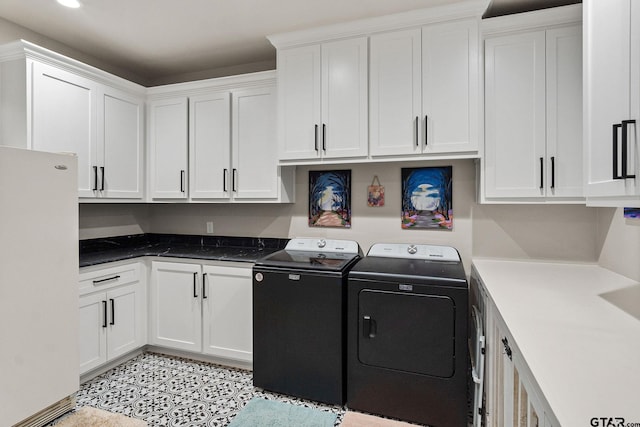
412,251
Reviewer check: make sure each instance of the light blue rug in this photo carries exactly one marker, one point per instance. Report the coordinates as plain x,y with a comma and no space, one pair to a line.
271,413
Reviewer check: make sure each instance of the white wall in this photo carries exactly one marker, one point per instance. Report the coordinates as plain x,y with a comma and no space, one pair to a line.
107,220
619,242
571,233
524,232
543,232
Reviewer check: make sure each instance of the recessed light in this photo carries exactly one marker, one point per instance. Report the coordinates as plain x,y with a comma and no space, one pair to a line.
70,3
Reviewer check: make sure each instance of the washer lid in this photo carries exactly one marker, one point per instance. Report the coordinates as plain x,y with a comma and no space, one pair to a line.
308,260
411,251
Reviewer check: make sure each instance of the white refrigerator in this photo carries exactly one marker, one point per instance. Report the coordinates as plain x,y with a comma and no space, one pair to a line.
39,356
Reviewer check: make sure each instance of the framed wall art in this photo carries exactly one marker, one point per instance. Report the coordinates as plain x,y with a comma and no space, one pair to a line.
330,198
375,193
427,198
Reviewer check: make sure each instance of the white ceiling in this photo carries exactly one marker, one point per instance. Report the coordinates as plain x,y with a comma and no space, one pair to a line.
161,39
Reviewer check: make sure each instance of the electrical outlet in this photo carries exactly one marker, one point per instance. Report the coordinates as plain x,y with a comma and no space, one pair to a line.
210,227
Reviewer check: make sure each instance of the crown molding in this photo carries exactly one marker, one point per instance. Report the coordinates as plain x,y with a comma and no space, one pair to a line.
364,27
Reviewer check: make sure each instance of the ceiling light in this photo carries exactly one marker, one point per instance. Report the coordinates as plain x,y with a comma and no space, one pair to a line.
70,3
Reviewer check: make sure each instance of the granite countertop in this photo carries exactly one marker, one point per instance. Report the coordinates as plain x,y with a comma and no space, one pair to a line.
577,327
219,248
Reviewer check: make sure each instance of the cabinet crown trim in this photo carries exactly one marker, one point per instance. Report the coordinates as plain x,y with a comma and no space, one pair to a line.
217,84
363,27
23,50
527,21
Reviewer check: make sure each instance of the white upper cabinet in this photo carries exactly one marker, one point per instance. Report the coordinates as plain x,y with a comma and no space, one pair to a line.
395,110
612,102
210,145
64,120
533,104
120,144
414,95
52,103
514,115
424,90
168,148
450,86
214,141
254,171
323,94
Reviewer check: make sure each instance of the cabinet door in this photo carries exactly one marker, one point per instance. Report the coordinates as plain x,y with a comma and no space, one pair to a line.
255,163
345,98
515,115
450,86
93,331
395,110
64,120
123,332
563,167
175,306
606,28
120,142
209,146
634,146
168,145
299,102
228,313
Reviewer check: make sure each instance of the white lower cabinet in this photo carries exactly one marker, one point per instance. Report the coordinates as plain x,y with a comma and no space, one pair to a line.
513,398
202,309
112,314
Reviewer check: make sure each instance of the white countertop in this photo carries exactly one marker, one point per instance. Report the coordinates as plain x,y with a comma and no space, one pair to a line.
583,350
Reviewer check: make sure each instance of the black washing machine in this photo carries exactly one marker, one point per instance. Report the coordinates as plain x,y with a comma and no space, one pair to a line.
407,323
299,319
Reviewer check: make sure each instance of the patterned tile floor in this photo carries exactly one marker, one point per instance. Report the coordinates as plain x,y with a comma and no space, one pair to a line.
171,391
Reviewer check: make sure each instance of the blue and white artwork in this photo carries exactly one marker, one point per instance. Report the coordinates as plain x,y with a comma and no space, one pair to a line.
330,198
427,198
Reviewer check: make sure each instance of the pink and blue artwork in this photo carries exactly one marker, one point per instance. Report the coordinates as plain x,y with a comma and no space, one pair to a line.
427,198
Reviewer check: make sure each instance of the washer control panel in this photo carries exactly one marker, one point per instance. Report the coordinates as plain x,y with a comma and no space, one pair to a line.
413,251
323,245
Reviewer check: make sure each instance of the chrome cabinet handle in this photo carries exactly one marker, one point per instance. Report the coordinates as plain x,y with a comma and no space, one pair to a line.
417,131
102,183
95,178
113,311
553,172
225,172
182,181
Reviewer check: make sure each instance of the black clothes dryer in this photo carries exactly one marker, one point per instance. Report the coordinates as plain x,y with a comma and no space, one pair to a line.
407,335
299,319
